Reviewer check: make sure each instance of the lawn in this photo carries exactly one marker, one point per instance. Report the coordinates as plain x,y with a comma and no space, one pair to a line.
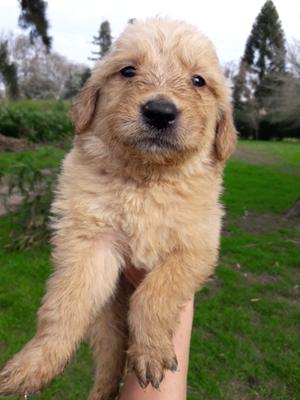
246,335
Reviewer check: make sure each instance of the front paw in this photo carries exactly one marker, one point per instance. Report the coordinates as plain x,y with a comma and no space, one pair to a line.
149,363
27,372
21,375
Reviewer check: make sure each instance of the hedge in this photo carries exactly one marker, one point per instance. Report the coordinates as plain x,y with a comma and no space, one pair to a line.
37,121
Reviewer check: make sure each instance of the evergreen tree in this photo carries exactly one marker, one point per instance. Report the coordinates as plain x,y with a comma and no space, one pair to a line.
8,70
263,63
33,16
103,41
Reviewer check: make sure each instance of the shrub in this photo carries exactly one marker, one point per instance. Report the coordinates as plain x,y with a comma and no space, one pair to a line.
246,122
34,189
273,125
38,121
280,125
269,128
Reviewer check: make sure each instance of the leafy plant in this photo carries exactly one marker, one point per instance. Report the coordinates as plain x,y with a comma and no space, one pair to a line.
38,121
33,188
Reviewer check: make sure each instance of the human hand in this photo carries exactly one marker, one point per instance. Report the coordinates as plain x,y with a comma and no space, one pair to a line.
174,385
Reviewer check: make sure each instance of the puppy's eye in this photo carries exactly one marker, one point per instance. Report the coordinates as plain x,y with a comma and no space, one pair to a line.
198,81
128,72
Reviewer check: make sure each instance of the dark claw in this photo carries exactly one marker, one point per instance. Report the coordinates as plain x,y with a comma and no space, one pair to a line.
173,365
143,384
156,382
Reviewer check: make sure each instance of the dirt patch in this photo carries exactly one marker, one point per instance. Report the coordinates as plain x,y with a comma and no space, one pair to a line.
263,223
263,279
295,272
259,157
212,286
239,390
294,212
9,202
15,145
290,299
253,157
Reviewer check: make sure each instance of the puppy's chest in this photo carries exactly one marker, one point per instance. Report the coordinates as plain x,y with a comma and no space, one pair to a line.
153,220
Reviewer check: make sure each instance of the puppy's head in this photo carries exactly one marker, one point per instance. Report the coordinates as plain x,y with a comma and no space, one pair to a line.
159,95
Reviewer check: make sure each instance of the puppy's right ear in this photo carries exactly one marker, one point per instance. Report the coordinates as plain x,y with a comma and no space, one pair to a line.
84,107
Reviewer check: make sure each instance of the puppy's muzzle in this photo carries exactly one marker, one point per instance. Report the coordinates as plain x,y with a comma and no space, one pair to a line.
159,114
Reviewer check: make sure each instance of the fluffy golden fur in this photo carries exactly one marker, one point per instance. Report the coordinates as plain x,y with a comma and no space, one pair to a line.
121,200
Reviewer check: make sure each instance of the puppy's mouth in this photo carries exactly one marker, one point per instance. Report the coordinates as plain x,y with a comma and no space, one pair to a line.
156,143
161,141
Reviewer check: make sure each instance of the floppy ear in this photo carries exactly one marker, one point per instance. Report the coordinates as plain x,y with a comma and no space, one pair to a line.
84,107
226,135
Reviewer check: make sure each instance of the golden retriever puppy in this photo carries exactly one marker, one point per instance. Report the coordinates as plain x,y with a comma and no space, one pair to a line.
140,187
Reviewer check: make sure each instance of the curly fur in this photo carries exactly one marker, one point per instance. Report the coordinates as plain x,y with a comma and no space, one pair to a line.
121,201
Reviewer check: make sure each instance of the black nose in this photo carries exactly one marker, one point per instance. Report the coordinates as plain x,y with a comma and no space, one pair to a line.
159,113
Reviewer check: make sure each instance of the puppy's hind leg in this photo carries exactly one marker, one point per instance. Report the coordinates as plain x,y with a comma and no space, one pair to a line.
85,277
108,337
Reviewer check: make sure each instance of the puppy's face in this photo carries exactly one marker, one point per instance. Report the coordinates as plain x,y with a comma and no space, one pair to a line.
159,95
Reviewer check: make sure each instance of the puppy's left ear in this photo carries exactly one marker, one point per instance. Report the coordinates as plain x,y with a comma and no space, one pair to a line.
84,106
226,135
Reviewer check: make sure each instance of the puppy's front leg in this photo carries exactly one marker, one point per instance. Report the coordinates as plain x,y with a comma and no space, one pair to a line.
85,277
154,313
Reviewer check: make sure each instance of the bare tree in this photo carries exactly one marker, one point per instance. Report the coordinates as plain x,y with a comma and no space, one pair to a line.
293,57
41,74
287,95
230,69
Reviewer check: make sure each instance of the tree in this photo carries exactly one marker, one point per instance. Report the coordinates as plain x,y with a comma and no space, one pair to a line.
293,57
33,16
8,71
263,63
103,41
41,75
230,70
289,103
75,82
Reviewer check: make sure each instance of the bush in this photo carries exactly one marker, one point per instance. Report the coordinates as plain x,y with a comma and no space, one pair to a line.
246,122
37,121
269,128
273,125
279,125
34,189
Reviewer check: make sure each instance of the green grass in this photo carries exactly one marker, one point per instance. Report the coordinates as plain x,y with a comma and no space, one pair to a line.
259,188
246,335
247,322
283,152
42,157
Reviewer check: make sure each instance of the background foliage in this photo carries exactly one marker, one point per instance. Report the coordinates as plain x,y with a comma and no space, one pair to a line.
37,121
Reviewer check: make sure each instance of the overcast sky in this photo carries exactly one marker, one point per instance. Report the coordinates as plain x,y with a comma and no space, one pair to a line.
227,23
